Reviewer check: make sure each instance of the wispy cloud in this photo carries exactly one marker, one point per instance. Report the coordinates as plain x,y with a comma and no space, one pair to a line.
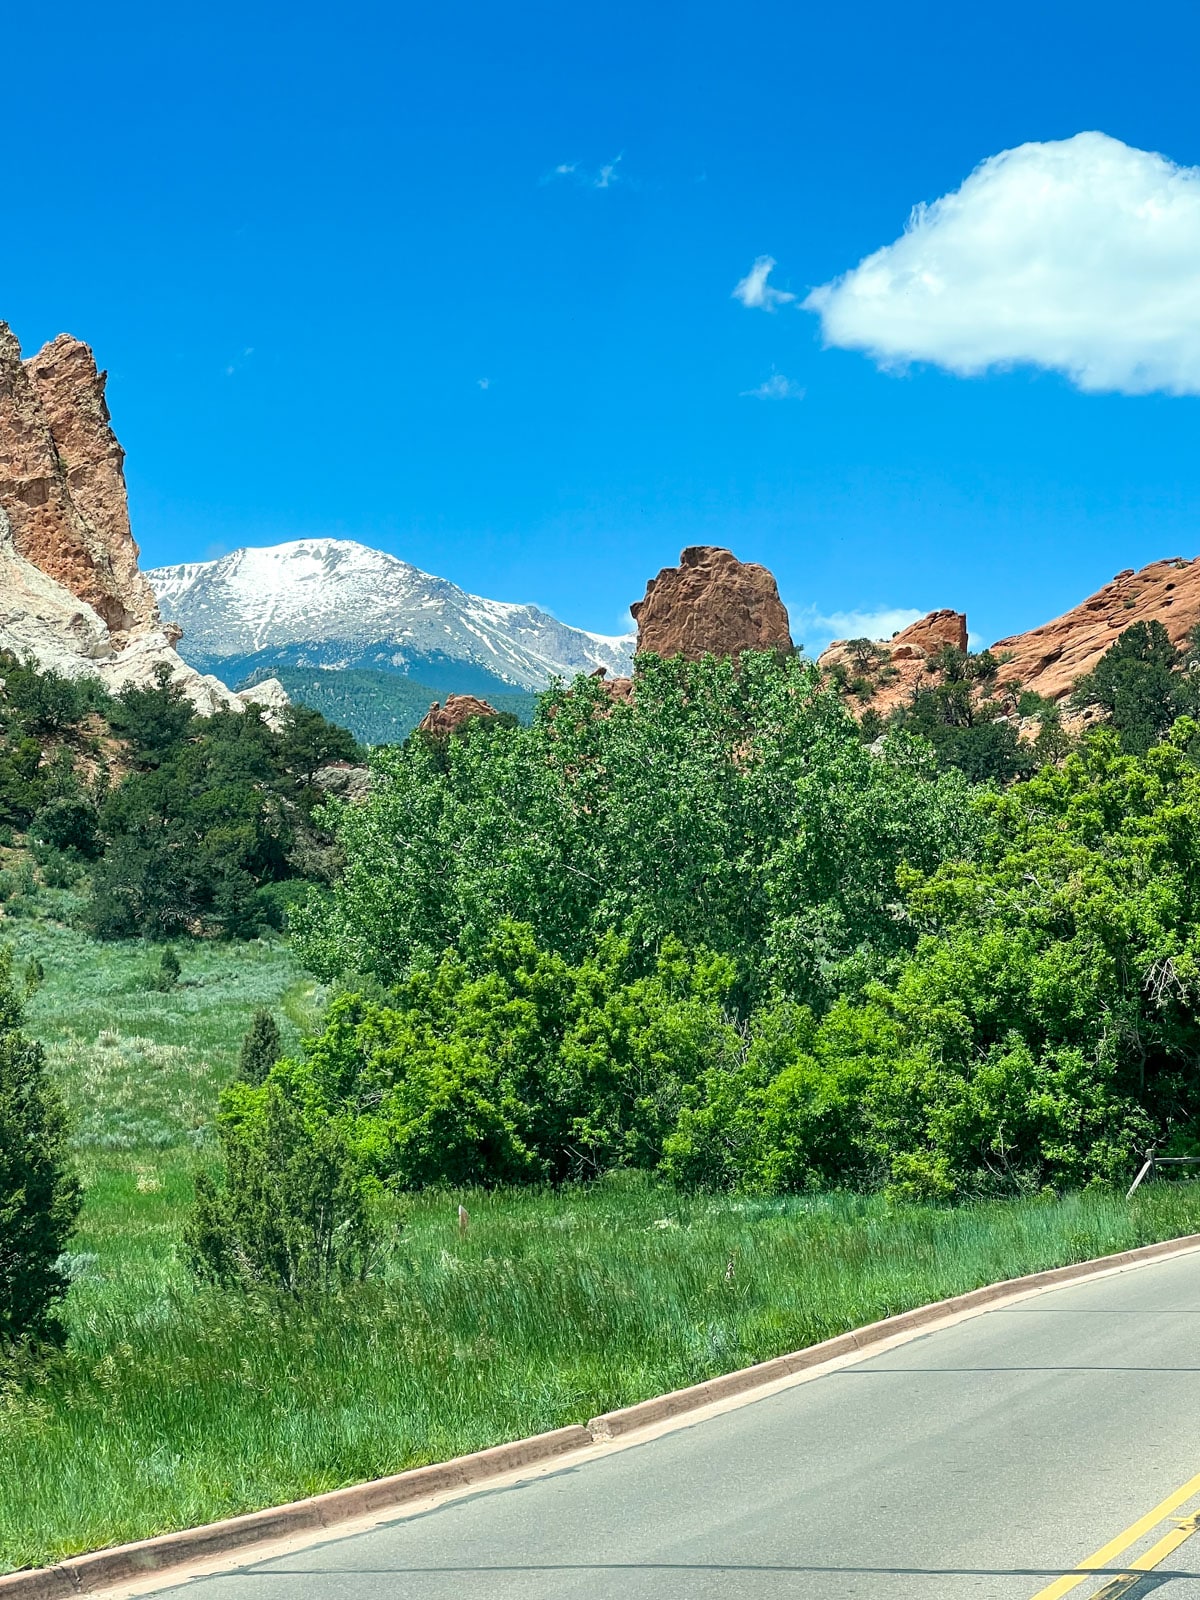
756,293
1078,255
776,387
817,629
605,177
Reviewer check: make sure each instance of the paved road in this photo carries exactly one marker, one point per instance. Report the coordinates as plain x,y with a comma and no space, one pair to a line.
978,1461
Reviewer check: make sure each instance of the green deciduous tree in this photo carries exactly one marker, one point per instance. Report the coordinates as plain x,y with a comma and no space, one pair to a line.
730,806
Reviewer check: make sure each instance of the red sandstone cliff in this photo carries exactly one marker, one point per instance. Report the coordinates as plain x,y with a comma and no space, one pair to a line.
62,483
1050,658
71,594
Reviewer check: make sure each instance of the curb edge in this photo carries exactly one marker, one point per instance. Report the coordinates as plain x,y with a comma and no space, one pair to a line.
97,1570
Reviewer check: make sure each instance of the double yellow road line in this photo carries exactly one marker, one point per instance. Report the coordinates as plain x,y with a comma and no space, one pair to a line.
1108,1555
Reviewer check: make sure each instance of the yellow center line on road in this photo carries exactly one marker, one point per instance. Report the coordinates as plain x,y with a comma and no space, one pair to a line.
1107,1554
1147,1563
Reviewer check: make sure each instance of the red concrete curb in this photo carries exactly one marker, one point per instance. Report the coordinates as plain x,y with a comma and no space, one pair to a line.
122,1563
614,1423
88,1574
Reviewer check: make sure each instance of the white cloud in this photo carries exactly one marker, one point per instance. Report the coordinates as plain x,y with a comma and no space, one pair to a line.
776,387
605,178
755,292
817,629
1081,255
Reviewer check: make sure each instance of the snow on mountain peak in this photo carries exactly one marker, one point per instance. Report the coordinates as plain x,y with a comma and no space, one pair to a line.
335,602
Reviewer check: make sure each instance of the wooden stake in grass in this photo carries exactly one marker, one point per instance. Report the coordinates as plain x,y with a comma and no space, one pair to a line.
464,1219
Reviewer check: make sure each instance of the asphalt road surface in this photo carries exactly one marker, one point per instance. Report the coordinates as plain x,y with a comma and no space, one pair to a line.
990,1459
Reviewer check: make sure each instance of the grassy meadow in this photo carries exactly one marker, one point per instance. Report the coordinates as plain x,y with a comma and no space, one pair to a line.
173,1405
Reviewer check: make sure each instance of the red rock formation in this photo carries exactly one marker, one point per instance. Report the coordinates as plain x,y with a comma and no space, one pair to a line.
459,708
711,604
615,688
930,635
71,595
71,391
1050,658
61,480
899,664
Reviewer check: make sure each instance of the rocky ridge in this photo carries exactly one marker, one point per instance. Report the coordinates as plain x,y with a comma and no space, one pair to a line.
1048,660
71,592
895,666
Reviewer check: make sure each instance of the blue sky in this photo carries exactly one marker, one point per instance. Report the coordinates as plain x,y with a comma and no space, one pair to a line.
342,287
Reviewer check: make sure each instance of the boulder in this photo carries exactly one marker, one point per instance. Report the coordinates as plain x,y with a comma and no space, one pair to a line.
442,720
344,780
711,604
930,635
270,697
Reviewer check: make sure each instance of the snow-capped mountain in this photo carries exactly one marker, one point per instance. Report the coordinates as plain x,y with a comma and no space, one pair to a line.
336,603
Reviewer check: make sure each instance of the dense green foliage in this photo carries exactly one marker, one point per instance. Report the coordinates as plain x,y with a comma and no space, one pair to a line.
535,1070
214,815
735,811
886,977
1143,683
39,1190
182,824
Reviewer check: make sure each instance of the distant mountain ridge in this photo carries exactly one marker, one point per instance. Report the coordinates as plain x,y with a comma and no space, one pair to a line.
335,603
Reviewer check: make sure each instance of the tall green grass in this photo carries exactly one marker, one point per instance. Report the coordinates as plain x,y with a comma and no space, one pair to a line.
172,1405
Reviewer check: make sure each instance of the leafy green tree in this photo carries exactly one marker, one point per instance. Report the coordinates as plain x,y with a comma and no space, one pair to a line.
39,1191
69,823
730,806
967,733
43,702
1043,1032
22,782
308,741
533,1070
